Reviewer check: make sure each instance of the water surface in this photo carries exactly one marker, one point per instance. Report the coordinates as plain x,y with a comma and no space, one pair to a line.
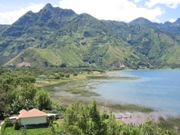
159,89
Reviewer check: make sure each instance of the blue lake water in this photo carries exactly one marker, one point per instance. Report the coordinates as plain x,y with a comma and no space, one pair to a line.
159,89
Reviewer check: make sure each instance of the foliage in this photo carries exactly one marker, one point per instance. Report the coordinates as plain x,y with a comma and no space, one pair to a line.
43,99
34,131
131,108
170,123
87,120
18,92
7,123
16,125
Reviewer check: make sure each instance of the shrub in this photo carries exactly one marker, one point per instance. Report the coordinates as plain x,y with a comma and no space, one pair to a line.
75,74
8,123
67,75
17,125
61,74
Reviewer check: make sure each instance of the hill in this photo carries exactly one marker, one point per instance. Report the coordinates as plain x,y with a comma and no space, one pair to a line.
2,27
160,48
171,27
56,37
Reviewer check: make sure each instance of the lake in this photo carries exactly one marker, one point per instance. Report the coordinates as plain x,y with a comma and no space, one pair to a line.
158,89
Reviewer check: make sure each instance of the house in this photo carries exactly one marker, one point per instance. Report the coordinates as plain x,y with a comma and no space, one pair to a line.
23,64
32,117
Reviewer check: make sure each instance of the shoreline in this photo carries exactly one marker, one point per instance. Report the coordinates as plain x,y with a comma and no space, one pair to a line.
126,117
138,117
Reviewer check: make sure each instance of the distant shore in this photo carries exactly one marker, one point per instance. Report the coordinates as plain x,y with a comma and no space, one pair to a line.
81,90
138,117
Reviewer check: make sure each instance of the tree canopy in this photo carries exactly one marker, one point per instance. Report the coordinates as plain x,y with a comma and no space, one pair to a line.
89,120
19,92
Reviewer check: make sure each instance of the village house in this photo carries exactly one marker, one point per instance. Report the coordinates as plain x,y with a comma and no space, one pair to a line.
32,117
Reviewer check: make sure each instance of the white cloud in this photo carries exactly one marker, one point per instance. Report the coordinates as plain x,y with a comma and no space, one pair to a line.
172,20
122,10
136,1
168,3
12,16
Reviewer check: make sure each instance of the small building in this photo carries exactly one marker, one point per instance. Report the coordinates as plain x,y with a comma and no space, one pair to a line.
32,117
24,64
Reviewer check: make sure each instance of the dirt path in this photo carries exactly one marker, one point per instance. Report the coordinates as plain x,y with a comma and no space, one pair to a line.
1,124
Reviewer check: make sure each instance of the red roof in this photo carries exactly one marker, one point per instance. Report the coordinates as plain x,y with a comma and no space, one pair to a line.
31,113
22,111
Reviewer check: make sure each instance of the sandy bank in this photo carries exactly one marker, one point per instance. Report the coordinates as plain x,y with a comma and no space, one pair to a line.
137,118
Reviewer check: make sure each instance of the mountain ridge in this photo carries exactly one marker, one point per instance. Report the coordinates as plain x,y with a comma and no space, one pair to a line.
171,27
60,36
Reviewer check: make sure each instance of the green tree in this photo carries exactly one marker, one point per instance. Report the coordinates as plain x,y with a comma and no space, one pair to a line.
3,106
43,99
28,91
74,130
112,125
86,117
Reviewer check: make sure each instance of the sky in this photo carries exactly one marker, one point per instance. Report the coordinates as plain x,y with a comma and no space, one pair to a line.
119,10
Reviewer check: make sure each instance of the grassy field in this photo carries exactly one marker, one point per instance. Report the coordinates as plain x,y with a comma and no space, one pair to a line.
49,82
35,131
112,78
58,127
130,108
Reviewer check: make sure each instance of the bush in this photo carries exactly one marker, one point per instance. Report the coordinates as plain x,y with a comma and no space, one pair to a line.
8,123
67,75
56,76
75,74
17,125
61,74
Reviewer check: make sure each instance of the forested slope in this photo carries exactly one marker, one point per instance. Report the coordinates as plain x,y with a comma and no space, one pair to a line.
60,36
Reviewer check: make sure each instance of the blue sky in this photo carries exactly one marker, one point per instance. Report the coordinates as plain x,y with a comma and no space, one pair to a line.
119,10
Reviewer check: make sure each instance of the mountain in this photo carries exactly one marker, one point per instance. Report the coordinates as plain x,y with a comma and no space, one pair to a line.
143,22
2,27
166,27
56,37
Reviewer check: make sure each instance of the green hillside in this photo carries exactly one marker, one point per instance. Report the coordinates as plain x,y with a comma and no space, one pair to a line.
171,27
157,46
2,27
56,37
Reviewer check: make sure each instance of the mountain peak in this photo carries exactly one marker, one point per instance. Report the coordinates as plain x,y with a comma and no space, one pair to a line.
178,20
49,9
48,5
140,21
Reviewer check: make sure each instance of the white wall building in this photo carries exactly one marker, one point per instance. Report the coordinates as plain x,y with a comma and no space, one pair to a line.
31,117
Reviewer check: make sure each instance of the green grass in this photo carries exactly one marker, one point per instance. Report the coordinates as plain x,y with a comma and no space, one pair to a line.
76,87
112,78
85,93
36,131
130,107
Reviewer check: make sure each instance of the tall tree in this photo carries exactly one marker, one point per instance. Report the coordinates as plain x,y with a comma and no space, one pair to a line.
43,99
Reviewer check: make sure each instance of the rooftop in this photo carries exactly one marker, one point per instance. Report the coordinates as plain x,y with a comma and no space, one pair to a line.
31,113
